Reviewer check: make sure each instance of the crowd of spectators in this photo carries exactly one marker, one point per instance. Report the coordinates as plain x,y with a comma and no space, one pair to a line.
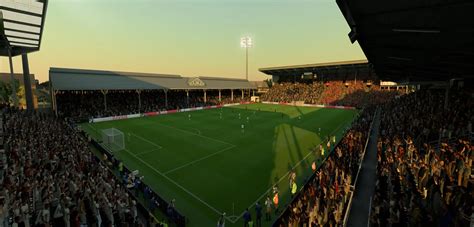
323,200
353,93
87,104
288,92
53,179
425,156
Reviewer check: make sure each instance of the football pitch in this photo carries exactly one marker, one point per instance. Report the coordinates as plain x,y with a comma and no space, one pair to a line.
210,165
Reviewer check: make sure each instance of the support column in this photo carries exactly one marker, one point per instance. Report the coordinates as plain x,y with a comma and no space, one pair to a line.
104,92
166,98
187,97
139,101
253,92
446,95
220,100
232,94
12,77
53,100
242,94
27,83
205,96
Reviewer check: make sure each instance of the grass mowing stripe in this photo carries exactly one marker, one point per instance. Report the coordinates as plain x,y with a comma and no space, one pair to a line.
174,182
159,147
284,176
277,142
192,133
197,160
147,152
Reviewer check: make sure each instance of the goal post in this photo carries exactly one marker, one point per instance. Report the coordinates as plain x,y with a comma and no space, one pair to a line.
113,139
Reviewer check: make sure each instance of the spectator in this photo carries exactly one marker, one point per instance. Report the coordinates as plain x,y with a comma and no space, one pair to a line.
323,200
52,174
424,161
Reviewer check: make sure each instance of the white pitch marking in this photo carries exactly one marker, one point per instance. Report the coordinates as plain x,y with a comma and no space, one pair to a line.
175,183
192,133
156,145
279,180
200,159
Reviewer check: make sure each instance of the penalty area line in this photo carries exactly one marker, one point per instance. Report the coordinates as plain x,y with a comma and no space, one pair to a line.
199,159
147,152
154,144
175,183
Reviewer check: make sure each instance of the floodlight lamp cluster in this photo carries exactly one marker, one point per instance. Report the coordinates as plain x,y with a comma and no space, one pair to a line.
246,42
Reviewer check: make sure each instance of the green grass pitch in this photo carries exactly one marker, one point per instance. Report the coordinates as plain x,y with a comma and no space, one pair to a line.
210,165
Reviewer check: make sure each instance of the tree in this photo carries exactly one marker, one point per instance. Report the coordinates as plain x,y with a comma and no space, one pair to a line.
20,93
6,92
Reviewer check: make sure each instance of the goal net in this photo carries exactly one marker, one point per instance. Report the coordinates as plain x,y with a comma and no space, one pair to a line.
113,139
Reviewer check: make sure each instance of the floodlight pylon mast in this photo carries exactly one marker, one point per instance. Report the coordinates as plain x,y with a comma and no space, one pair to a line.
246,42
247,63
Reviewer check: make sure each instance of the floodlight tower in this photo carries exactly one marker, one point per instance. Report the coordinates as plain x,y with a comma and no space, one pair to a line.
246,42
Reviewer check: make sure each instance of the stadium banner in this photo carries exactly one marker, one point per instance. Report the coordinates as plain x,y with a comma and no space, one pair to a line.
311,105
232,104
151,114
186,110
113,118
148,114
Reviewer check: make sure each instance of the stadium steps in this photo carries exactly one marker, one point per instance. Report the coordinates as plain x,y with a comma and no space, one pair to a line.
365,187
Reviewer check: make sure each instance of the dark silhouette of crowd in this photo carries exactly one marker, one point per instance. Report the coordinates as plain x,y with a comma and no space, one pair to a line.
425,156
324,199
83,105
51,177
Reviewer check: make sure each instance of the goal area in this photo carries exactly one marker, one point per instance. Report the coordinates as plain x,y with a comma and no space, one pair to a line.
113,139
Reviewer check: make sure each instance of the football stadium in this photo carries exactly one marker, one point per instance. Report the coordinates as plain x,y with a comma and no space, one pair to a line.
236,113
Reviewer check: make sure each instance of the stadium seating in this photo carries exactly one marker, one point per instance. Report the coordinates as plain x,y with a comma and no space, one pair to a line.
87,104
324,199
425,156
334,93
52,178
288,92
424,172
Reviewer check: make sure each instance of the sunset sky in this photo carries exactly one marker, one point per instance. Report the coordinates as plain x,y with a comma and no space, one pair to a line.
189,37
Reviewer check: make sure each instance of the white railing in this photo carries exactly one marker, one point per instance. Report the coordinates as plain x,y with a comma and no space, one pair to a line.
349,204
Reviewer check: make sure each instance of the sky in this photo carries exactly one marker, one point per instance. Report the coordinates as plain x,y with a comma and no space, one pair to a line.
189,37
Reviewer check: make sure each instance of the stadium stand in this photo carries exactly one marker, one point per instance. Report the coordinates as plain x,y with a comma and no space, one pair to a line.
425,160
333,93
49,176
84,94
323,200
53,178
